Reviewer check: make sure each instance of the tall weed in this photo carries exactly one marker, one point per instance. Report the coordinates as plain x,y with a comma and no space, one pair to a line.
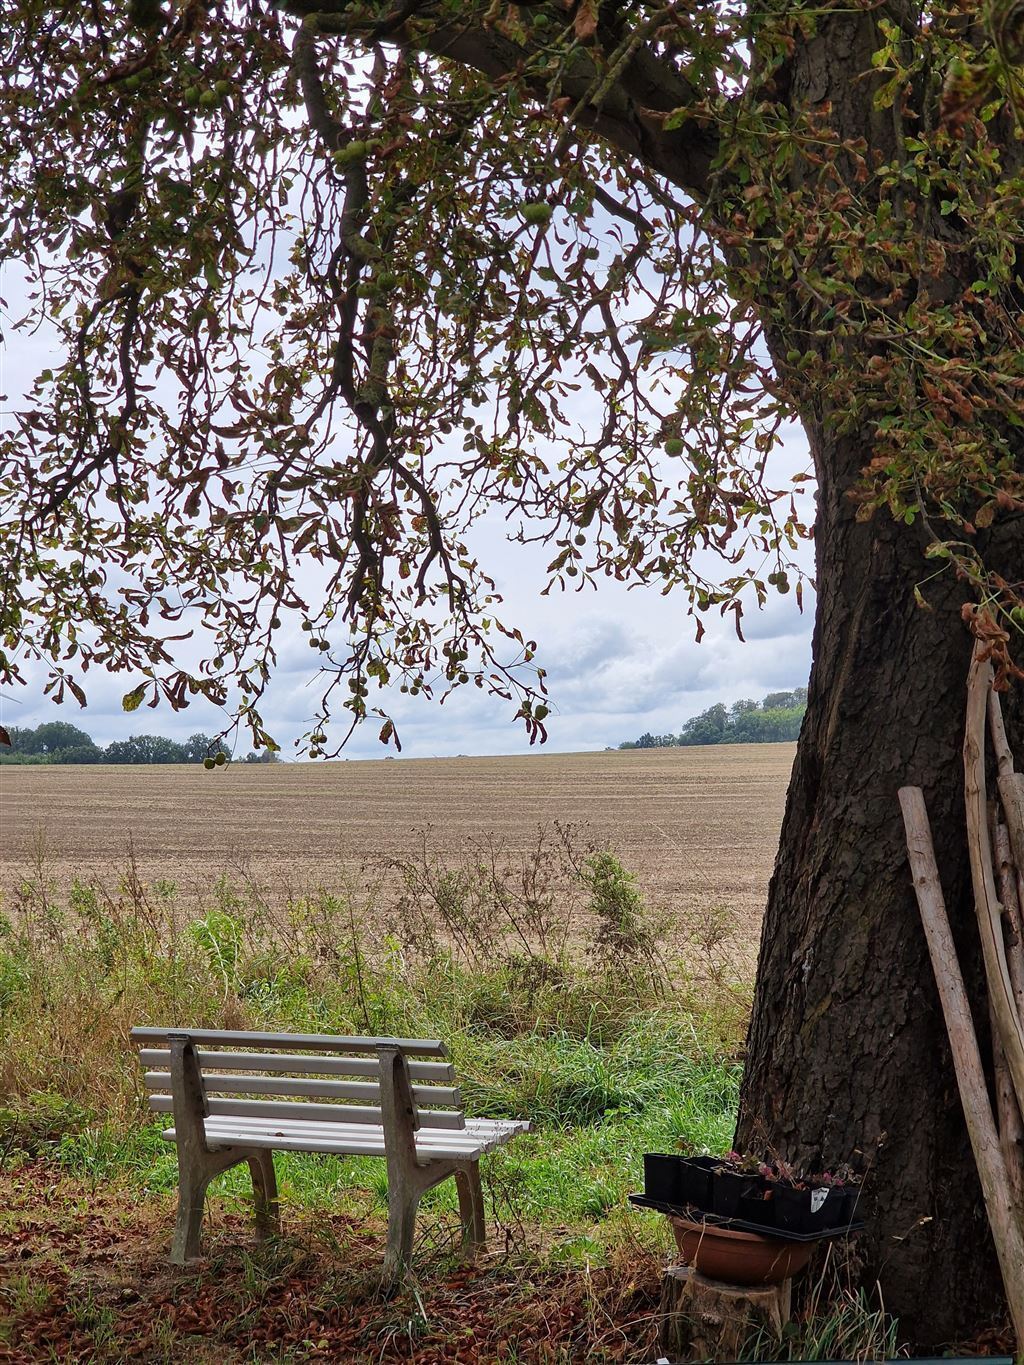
538,968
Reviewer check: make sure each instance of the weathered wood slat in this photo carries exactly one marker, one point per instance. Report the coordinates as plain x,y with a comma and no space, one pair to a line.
324,1113
292,1085
295,1065
305,1042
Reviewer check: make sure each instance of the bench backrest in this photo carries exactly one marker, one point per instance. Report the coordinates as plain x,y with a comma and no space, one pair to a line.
325,1079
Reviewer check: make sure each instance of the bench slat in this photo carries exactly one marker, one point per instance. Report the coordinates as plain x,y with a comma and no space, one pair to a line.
281,1142
476,1130
307,1042
292,1085
361,1134
286,1062
324,1113
484,1134
354,1139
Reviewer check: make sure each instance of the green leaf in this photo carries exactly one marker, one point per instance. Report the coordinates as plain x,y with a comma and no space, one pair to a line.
131,701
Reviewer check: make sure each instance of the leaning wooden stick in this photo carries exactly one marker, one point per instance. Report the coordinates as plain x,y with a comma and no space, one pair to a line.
1010,783
1006,1230
986,901
1008,1111
1010,1125
1000,744
1009,896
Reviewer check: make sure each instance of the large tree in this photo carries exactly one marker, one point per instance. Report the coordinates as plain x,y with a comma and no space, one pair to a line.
332,281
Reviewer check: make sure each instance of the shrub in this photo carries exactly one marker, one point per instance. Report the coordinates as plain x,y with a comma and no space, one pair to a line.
219,936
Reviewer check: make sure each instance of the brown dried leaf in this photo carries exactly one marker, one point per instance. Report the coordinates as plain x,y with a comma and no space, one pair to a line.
585,23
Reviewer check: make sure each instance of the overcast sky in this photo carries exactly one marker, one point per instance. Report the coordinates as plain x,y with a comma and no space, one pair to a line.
619,662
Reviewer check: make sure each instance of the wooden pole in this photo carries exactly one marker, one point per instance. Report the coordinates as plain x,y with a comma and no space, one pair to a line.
1009,1122
1010,783
1011,794
1007,878
1000,745
1006,1230
986,901
1008,1111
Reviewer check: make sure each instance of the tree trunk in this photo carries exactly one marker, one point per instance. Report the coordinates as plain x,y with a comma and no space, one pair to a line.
847,1050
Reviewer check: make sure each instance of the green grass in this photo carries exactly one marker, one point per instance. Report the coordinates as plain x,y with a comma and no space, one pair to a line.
552,999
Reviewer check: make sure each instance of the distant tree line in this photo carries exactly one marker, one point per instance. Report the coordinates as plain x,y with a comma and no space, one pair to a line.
776,718
56,741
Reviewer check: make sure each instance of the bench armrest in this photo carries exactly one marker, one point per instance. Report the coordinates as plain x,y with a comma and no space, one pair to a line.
188,1094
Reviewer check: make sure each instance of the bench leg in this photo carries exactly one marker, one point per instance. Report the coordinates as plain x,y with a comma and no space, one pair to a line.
403,1201
195,1171
471,1206
264,1188
192,1182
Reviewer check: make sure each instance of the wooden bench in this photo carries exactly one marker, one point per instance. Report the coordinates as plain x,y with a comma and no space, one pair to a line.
389,1097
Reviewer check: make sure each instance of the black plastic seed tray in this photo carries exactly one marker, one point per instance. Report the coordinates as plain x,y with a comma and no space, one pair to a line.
742,1225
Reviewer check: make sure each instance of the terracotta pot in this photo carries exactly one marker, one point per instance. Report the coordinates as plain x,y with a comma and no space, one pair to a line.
738,1257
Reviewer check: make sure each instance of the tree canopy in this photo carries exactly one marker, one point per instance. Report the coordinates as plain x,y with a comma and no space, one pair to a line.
333,282
773,720
58,742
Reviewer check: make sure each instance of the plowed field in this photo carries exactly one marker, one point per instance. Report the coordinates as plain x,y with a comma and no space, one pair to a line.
698,826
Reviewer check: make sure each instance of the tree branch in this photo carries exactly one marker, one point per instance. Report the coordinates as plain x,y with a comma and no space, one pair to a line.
631,112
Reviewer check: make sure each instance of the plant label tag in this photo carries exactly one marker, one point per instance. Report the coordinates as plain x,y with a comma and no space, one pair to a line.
818,1198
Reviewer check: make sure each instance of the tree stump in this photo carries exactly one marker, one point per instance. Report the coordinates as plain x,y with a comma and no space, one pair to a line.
704,1319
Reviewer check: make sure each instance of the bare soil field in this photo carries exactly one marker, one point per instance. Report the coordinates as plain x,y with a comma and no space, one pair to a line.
698,826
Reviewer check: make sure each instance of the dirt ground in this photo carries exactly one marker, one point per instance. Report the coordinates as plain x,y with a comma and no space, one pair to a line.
84,1278
698,826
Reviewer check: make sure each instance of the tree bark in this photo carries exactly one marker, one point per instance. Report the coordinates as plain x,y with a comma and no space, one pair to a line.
847,1048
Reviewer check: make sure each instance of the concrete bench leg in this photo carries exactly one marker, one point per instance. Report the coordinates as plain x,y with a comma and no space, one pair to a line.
471,1207
264,1188
197,1163
192,1185
407,1177
403,1201
195,1171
